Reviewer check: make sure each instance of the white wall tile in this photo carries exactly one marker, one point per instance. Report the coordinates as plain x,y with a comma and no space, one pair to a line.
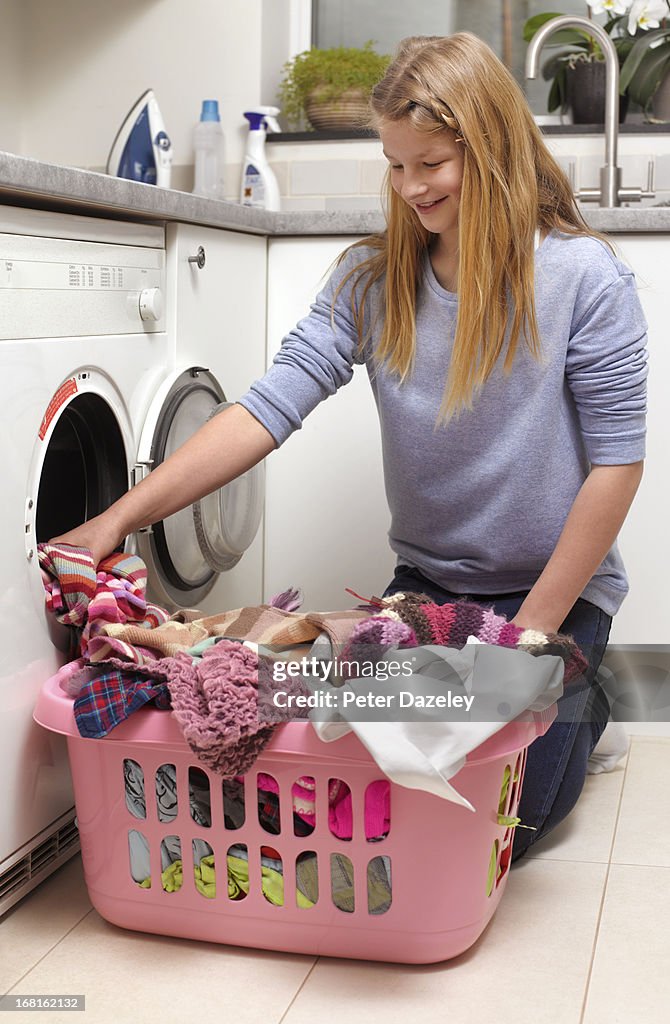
281,170
372,175
353,203
322,178
635,169
662,171
588,170
289,203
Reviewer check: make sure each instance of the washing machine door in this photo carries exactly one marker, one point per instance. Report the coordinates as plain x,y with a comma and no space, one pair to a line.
185,552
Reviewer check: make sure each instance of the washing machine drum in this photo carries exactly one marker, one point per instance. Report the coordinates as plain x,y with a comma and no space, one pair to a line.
186,552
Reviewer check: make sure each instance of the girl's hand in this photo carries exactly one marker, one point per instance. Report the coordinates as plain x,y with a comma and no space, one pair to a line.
534,622
97,534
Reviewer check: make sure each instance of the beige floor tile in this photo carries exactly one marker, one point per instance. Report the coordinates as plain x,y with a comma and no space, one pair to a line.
131,976
34,926
630,982
530,966
643,829
588,831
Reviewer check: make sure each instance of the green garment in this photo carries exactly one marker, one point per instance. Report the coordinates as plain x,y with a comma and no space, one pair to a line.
238,880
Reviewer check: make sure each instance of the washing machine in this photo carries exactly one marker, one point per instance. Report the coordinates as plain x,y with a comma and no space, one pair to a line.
95,391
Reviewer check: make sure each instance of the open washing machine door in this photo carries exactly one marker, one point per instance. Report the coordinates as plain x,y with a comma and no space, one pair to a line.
78,467
185,553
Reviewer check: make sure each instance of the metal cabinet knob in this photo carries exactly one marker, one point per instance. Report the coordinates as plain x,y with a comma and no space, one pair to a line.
199,258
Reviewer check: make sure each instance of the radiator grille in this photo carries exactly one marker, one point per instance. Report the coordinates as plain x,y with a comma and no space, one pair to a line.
37,860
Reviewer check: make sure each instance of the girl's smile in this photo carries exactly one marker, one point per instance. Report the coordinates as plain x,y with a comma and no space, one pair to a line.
428,207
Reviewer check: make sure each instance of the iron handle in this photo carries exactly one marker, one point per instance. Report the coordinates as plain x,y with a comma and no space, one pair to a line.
199,258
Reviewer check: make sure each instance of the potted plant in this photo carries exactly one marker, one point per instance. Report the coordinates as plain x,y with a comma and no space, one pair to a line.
646,70
330,87
577,71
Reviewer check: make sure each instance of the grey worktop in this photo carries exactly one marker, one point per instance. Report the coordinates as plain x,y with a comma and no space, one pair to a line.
28,182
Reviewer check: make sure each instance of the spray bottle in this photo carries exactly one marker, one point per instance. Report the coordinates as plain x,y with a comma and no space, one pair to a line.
259,185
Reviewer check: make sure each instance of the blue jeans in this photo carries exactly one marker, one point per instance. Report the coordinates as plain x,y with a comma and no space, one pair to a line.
556,764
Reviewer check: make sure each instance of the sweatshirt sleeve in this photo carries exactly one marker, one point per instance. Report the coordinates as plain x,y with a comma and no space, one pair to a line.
606,372
315,359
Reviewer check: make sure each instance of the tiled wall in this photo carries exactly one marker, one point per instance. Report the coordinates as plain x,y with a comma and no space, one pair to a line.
337,175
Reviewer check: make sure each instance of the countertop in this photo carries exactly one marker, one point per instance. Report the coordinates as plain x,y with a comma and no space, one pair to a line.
27,182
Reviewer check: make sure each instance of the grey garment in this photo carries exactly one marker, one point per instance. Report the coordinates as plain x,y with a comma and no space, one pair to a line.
419,743
171,850
478,505
166,809
234,813
133,777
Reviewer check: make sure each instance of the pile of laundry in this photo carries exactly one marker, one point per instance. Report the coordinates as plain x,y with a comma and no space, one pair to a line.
340,821
206,669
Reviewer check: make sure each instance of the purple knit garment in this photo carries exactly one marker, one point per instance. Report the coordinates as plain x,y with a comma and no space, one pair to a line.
491,626
371,639
288,600
215,702
410,610
467,622
382,630
450,625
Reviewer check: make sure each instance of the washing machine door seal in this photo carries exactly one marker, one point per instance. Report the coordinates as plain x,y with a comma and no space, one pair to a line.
185,552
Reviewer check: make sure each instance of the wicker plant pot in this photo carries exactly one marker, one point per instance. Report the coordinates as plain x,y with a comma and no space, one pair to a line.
350,110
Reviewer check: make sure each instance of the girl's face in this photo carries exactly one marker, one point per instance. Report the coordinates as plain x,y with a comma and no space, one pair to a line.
426,171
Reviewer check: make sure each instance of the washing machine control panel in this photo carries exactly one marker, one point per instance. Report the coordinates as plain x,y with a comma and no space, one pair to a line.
54,287
151,304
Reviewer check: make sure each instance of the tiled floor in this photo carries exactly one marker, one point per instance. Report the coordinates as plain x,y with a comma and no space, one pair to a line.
581,937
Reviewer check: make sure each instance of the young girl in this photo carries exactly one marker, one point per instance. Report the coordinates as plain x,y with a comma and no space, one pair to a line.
506,350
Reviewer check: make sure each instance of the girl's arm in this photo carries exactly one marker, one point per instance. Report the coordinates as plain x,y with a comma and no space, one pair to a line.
596,516
222,449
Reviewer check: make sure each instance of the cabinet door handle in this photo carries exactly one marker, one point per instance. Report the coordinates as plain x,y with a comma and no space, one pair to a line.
199,258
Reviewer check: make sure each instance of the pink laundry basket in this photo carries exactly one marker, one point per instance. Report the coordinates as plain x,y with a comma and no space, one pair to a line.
447,865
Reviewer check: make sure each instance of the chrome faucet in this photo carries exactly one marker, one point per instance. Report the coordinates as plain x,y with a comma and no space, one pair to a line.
610,192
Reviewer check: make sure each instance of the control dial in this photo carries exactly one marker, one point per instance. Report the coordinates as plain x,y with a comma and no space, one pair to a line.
151,304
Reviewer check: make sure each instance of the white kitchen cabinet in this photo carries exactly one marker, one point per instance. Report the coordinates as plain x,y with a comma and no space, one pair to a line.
216,319
326,519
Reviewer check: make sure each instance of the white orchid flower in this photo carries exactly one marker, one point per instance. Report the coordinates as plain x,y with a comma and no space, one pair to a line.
610,7
646,14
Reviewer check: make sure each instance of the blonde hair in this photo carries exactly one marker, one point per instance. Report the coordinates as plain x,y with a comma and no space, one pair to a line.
511,186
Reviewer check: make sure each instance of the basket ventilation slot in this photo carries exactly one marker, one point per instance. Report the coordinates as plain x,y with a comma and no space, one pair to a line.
362,886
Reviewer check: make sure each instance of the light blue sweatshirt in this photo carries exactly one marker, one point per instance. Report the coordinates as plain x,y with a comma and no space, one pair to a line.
478,505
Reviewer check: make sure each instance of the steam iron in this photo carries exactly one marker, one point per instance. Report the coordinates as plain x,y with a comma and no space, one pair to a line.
142,150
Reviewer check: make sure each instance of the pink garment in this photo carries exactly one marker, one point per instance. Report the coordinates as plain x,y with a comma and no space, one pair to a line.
89,599
216,702
119,600
340,816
